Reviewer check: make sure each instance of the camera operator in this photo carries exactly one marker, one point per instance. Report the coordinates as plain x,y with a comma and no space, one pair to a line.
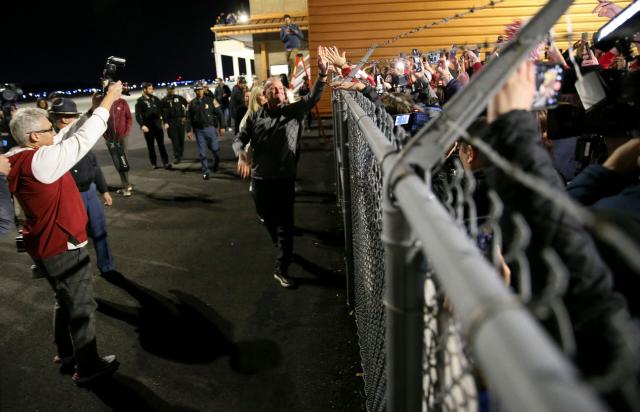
7,216
597,313
55,229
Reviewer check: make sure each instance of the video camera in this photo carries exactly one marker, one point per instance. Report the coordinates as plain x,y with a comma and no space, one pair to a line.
109,73
9,93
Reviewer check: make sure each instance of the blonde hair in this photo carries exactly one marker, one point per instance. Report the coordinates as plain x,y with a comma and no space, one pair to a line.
253,105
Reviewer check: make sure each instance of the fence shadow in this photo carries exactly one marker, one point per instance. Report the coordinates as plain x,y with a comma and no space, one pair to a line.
187,331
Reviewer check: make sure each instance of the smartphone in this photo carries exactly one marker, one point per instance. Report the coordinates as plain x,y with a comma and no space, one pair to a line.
548,85
453,51
417,62
433,58
402,119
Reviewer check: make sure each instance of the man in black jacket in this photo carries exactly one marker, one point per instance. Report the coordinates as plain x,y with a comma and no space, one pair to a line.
149,117
204,121
88,177
274,132
174,109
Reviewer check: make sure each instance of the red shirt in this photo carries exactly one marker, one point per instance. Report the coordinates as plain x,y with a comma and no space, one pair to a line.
120,119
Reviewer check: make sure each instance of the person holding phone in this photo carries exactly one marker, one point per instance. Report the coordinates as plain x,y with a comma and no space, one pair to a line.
290,35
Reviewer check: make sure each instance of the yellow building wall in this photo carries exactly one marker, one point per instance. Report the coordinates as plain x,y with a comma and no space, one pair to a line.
357,24
277,6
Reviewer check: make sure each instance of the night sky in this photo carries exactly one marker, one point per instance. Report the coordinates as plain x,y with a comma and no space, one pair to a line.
67,46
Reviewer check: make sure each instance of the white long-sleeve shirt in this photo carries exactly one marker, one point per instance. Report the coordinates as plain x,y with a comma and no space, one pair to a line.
69,146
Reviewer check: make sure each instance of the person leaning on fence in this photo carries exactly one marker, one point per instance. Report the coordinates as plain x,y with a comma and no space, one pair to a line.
55,228
273,132
602,328
116,138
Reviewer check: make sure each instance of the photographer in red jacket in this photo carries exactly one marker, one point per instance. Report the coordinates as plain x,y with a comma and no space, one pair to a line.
55,229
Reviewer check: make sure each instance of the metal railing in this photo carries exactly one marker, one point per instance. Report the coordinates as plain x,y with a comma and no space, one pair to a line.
438,328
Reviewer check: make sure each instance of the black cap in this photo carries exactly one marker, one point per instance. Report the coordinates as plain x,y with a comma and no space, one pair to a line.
62,105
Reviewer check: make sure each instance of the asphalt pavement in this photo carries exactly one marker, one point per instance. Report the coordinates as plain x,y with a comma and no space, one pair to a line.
197,322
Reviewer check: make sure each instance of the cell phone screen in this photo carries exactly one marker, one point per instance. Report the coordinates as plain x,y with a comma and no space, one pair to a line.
548,85
402,119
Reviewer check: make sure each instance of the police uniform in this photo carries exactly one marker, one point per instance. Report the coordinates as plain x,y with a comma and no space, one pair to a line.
204,120
149,113
173,113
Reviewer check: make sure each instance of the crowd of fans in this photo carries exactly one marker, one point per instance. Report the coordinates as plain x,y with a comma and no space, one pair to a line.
545,121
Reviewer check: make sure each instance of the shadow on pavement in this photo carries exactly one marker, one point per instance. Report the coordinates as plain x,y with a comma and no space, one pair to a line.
122,393
323,277
328,238
188,331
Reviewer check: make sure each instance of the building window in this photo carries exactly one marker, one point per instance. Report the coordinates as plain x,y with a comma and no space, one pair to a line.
227,65
242,66
253,67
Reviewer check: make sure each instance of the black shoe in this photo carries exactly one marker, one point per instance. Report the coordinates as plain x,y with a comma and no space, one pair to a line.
177,160
105,366
205,176
168,166
285,280
154,167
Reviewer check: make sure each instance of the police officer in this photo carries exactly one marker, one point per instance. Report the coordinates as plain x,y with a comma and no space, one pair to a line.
205,122
149,117
174,109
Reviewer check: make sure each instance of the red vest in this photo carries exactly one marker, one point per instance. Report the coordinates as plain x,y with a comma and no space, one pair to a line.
54,212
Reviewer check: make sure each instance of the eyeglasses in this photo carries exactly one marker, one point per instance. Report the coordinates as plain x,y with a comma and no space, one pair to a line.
49,130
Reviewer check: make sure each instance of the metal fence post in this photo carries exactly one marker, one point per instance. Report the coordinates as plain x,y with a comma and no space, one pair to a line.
347,217
337,142
404,306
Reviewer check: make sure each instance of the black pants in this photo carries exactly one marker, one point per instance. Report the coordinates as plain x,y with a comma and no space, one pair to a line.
176,135
74,320
274,203
156,134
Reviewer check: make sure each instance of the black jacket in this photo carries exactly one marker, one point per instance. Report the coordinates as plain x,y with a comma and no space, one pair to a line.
148,111
202,114
274,136
589,299
173,107
87,171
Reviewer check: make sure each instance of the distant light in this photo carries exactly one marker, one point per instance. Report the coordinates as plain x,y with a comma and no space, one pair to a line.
243,18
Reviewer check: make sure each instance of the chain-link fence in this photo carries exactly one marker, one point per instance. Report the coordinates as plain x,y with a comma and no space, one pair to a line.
454,274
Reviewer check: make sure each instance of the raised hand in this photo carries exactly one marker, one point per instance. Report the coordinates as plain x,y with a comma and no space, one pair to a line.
516,94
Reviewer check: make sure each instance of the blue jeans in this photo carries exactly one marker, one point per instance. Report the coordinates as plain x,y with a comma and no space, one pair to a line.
208,138
97,228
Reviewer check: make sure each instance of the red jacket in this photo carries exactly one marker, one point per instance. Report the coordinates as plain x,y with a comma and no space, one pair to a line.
120,119
55,213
